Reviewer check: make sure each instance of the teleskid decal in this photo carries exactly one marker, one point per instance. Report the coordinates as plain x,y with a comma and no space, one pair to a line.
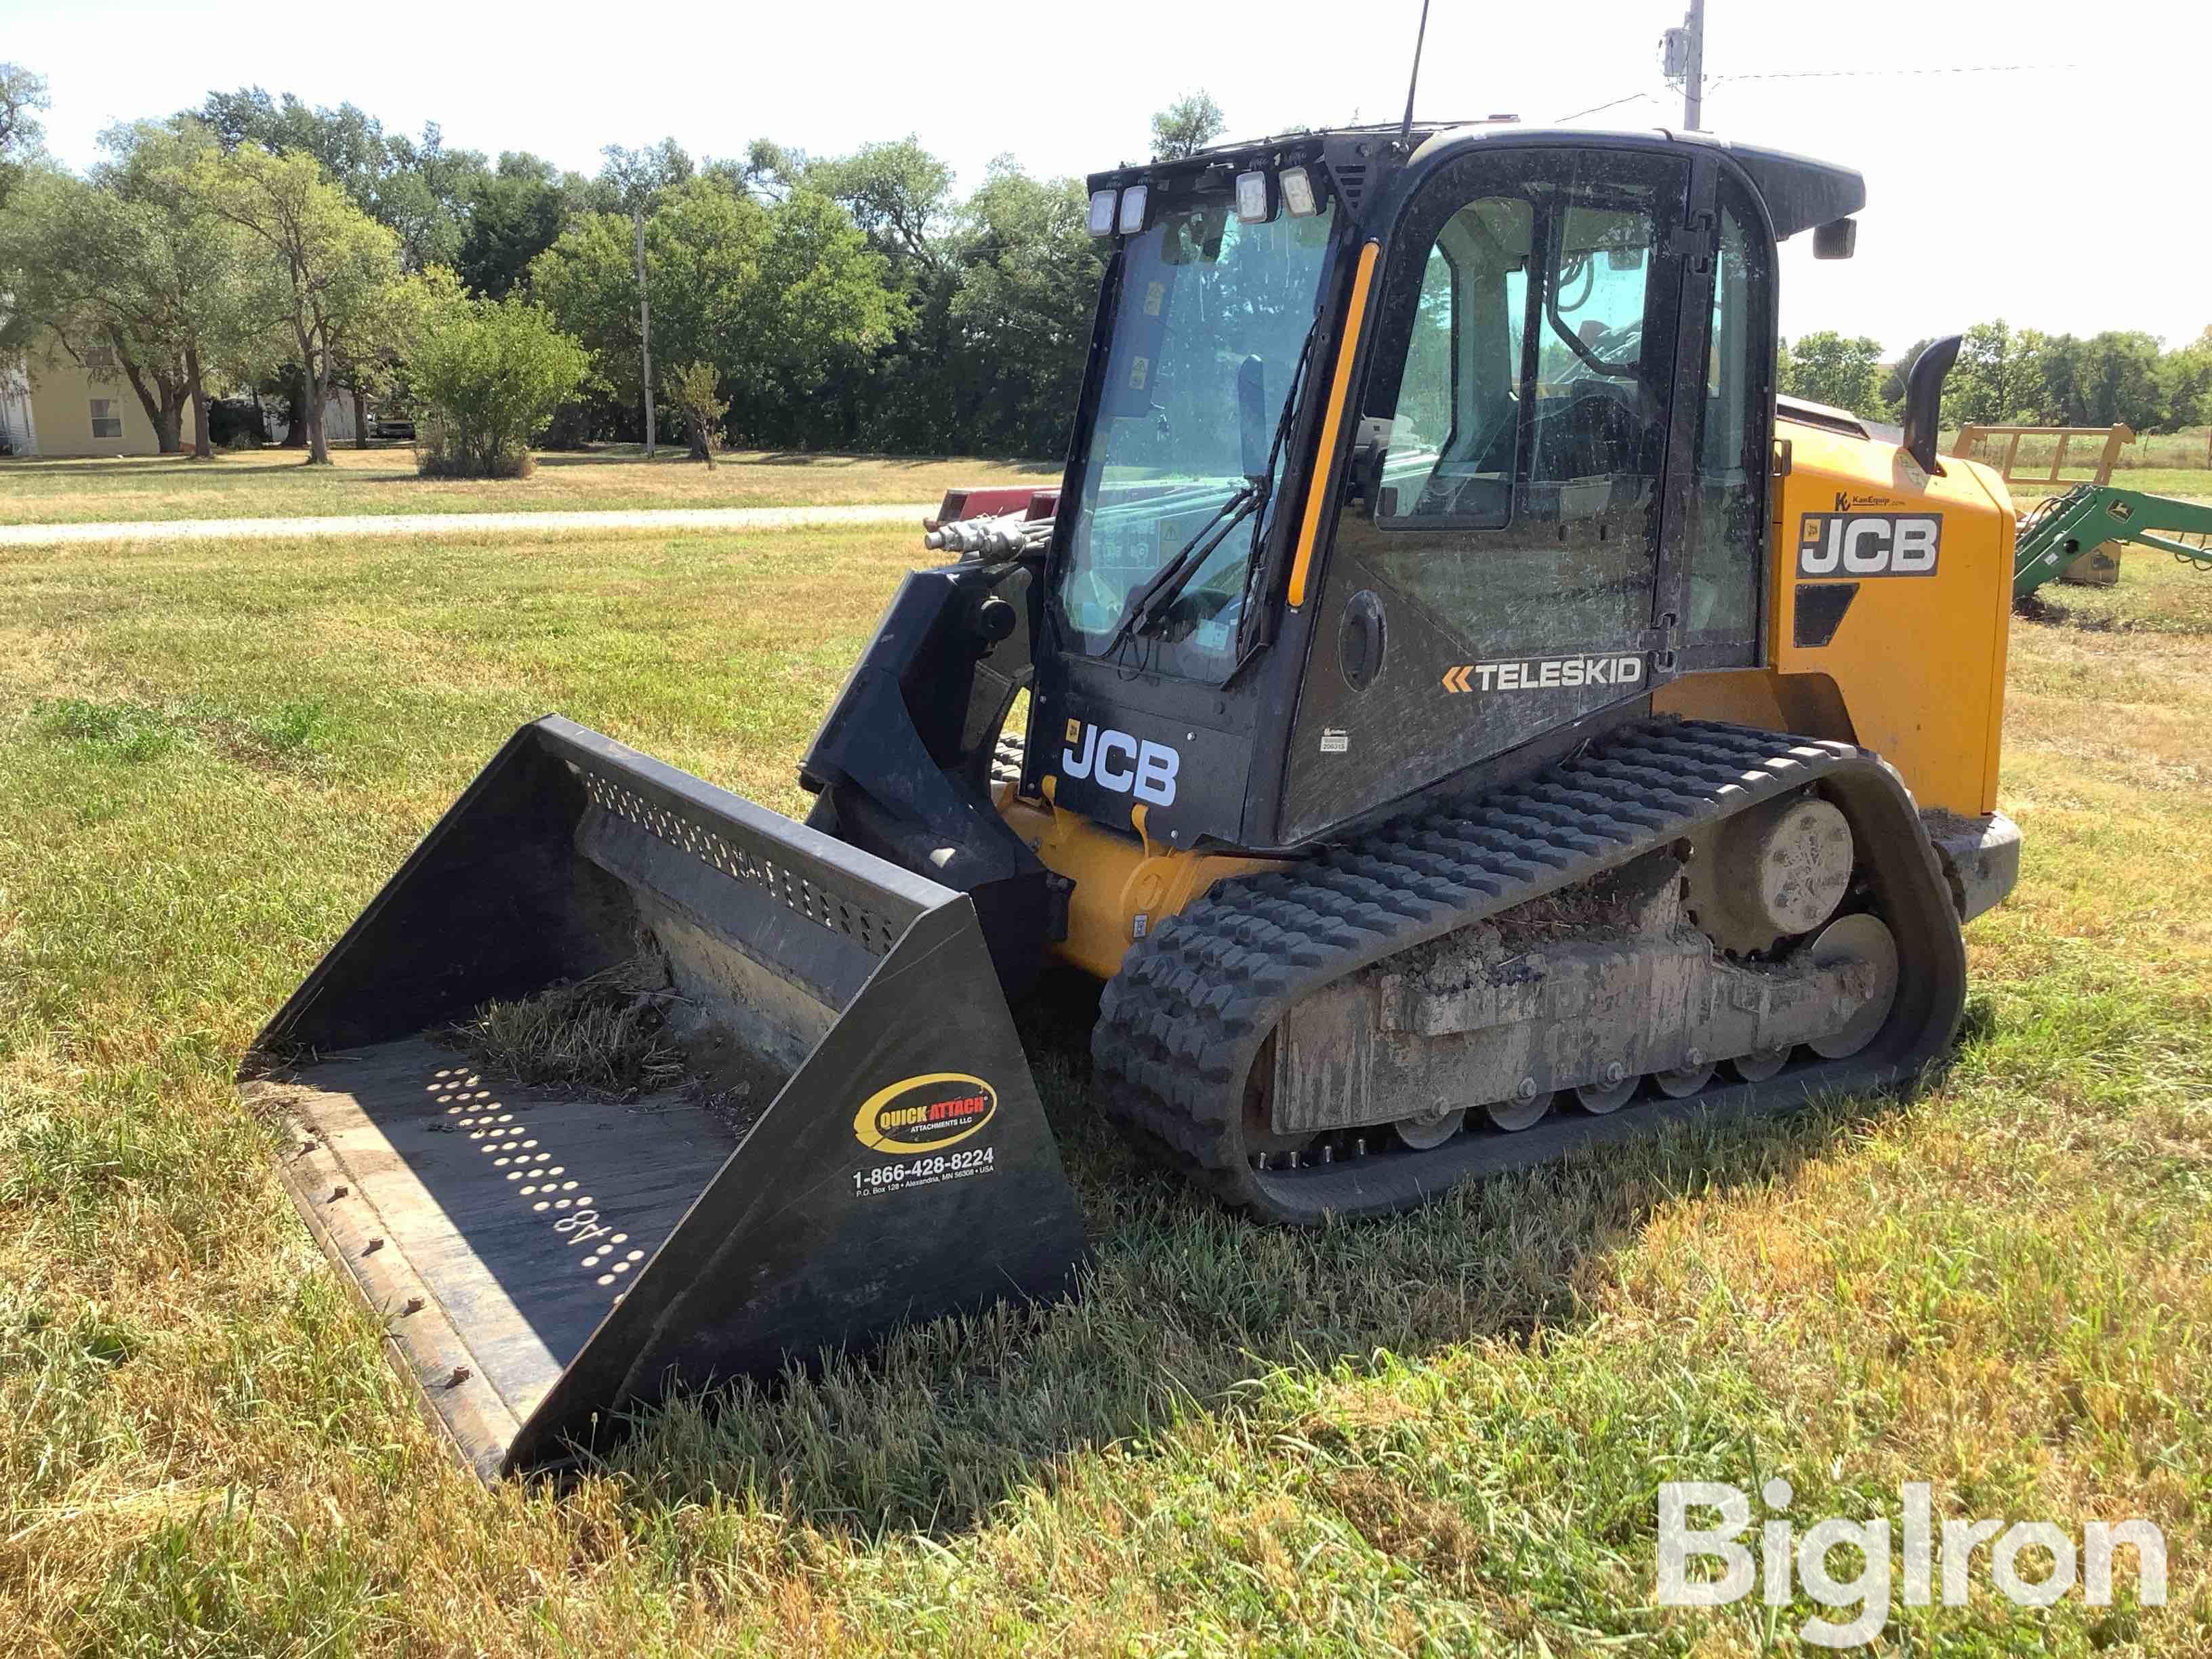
1868,544
916,1123
1543,674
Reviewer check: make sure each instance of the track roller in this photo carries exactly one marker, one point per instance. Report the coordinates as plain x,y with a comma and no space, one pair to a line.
1426,1134
1616,1092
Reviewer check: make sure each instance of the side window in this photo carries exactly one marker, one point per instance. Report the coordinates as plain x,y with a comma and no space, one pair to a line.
1426,399
1599,405
1512,446
1451,439
1727,541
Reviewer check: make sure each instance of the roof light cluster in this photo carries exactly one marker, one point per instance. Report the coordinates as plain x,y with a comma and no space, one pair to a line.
1260,195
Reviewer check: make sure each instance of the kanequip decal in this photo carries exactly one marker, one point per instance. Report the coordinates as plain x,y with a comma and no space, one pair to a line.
925,1114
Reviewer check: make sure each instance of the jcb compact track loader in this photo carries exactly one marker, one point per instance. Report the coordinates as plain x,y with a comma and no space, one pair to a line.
1469,717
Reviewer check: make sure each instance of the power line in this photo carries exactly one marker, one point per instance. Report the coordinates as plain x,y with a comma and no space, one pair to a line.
1614,104
1828,75
1859,73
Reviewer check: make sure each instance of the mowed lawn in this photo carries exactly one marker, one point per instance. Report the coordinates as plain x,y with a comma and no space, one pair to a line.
1441,1433
270,483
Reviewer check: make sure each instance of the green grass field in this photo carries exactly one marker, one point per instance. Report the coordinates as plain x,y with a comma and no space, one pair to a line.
1439,1434
272,484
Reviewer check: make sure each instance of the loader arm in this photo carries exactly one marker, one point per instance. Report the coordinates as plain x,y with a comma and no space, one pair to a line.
2057,531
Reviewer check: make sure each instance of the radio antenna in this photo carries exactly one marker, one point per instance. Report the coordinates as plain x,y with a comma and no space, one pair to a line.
1414,79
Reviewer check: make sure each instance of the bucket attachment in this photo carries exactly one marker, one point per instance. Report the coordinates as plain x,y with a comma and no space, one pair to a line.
544,1259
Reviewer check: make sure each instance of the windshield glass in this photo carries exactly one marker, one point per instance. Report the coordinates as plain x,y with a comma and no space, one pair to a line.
1212,316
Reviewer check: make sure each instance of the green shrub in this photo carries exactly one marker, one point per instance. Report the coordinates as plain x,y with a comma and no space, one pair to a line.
441,453
486,376
690,390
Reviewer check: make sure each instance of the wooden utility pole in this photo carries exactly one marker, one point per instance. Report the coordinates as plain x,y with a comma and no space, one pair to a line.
1683,57
1694,70
644,321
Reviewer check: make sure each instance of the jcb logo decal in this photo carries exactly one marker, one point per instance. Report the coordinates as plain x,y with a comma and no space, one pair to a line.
1868,544
1117,761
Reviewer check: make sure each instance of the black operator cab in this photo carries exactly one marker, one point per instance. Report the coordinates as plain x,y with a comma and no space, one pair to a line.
1402,462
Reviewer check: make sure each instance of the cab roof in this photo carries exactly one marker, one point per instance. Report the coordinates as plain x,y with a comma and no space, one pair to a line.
1799,191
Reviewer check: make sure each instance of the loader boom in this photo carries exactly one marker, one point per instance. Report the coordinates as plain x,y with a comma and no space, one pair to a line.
2058,531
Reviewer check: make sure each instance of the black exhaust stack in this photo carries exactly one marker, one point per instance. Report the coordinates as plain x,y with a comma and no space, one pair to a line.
1923,400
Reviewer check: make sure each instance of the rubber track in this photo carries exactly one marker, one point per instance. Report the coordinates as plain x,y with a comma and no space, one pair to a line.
1180,1025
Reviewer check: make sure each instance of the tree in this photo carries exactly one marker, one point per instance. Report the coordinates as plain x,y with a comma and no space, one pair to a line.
898,193
1187,126
424,197
22,94
1825,367
1893,380
417,188
127,274
332,272
2120,381
637,178
1997,379
487,375
1029,283
2184,377
916,391
193,268
516,211
691,389
774,296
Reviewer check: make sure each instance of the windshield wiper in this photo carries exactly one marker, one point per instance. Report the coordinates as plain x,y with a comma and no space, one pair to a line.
1267,484
1148,605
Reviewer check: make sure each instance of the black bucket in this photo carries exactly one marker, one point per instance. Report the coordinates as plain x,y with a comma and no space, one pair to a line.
544,1258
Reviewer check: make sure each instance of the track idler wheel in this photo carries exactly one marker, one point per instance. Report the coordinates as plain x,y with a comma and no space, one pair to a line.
1865,939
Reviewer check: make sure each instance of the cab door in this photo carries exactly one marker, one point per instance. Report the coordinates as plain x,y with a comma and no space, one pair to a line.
1497,570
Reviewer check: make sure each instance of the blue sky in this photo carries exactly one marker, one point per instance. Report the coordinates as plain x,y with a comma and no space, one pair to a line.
1987,190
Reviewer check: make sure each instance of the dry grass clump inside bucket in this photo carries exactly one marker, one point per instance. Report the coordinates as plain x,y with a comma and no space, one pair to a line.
608,1032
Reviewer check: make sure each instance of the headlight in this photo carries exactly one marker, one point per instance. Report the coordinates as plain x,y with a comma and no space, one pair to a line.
1298,192
1102,212
1252,205
1133,200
